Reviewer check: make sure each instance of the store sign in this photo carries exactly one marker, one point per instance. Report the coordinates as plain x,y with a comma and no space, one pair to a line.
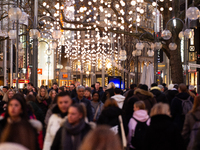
39,71
64,75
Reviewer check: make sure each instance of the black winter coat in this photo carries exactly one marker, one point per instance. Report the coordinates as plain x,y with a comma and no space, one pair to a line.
107,94
162,134
73,93
159,96
177,109
87,105
109,116
44,104
100,91
170,94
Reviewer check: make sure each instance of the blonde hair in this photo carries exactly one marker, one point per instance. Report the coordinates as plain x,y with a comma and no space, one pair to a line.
5,97
101,138
140,104
160,109
46,93
111,85
51,92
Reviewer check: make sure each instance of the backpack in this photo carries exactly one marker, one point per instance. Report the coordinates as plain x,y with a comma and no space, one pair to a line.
139,135
193,132
186,105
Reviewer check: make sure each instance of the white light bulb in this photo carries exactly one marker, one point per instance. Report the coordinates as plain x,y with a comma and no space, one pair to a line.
133,2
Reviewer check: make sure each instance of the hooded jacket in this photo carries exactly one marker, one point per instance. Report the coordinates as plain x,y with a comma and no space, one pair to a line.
162,134
120,100
140,115
55,122
177,109
160,96
145,96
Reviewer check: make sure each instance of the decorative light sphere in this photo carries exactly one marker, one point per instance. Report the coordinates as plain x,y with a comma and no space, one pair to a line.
138,53
134,53
166,34
56,34
24,18
48,52
12,34
172,46
158,45
122,55
150,53
181,35
20,45
188,33
152,46
34,33
139,46
14,13
193,13
53,45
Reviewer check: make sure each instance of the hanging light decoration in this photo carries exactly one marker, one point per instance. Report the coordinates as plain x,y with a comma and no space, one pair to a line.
34,33
14,13
134,53
166,34
152,46
139,46
122,55
138,53
53,45
188,33
172,46
48,52
12,34
158,45
193,13
20,45
181,35
56,34
24,18
150,53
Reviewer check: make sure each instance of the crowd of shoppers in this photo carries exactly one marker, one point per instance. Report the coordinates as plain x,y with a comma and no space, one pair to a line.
103,118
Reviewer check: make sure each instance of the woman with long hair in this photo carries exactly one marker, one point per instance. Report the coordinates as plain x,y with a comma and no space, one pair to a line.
190,119
43,100
9,94
101,138
71,134
52,95
16,115
110,116
162,132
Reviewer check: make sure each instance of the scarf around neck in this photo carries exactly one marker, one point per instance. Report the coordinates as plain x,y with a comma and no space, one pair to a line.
71,135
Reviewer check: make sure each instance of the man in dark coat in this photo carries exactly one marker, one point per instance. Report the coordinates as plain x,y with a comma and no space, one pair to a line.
98,89
54,87
74,92
177,113
81,99
159,95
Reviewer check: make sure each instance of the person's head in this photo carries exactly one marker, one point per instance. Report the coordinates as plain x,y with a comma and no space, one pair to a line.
182,88
110,102
117,91
61,89
111,85
97,85
129,94
30,93
64,101
160,109
5,89
71,87
10,93
43,93
191,87
176,86
164,84
92,86
101,138
87,92
30,86
55,86
95,96
76,112
154,84
16,107
52,94
80,91
133,86
144,87
139,105
77,84
30,98
161,87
